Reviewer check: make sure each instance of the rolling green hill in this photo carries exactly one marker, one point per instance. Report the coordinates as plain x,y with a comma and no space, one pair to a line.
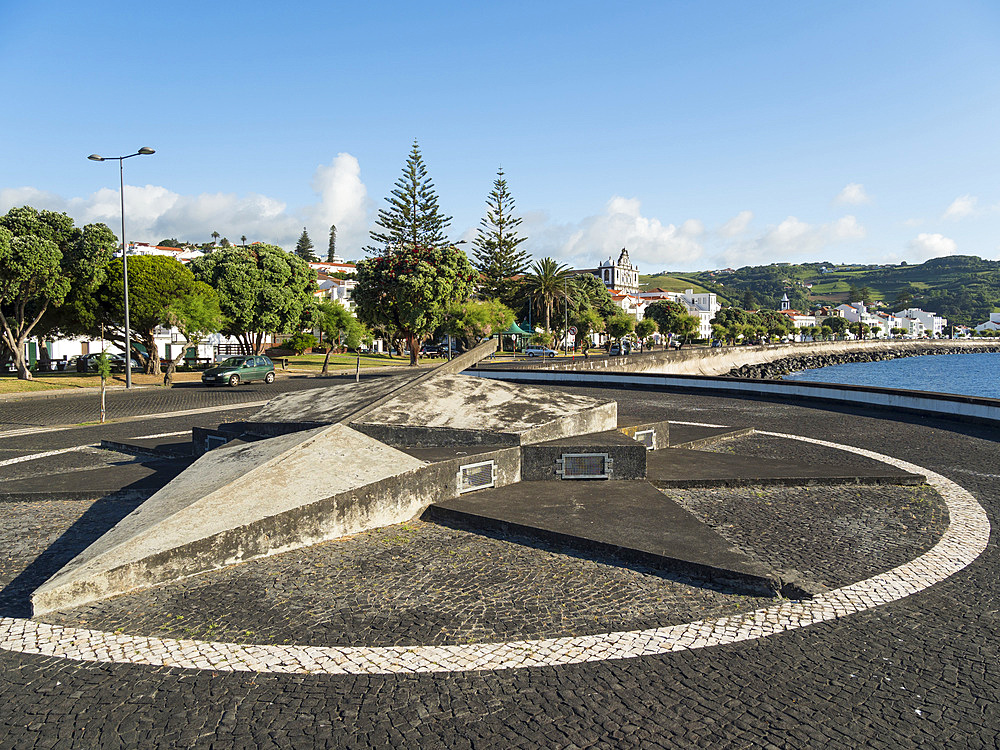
963,288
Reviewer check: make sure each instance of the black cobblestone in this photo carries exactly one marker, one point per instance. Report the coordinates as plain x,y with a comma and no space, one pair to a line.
920,672
830,535
409,584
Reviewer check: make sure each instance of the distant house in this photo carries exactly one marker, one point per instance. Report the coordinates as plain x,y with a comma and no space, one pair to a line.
184,255
932,324
703,306
993,324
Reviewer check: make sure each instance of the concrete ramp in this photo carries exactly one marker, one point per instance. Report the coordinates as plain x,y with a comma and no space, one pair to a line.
447,408
210,515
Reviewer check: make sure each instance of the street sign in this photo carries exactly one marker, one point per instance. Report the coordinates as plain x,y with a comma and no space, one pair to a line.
572,330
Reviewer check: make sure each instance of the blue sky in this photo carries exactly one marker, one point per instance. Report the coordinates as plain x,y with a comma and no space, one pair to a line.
697,134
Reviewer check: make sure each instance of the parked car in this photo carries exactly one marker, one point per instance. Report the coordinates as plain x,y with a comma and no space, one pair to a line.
533,350
118,363
431,350
235,370
620,349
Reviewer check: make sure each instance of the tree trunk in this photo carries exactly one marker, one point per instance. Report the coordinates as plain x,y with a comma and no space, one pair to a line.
326,360
152,354
23,373
414,345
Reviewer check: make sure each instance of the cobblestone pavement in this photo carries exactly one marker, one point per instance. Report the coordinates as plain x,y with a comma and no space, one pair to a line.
71,408
919,671
408,584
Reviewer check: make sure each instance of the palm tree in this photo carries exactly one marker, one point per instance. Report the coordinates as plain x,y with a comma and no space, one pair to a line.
215,237
243,240
548,283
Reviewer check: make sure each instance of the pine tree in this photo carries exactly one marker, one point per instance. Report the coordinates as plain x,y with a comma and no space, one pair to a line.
331,253
498,256
303,248
413,218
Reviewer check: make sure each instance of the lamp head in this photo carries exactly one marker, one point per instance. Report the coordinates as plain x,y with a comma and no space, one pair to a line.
95,157
146,150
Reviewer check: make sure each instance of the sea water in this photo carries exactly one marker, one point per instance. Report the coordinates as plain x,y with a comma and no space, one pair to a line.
967,374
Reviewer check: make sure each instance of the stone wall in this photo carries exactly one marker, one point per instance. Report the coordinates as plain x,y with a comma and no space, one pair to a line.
781,367
700,360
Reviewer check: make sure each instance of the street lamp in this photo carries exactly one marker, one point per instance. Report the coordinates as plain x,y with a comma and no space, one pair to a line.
144,151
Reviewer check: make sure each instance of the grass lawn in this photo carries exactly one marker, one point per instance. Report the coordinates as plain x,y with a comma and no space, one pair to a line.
307,363
314,362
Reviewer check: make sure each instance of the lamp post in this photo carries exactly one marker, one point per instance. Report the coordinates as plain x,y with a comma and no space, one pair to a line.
144,151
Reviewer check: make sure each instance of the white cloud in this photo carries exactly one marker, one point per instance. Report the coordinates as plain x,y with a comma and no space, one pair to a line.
853,194
792,239
964,205
736,225
343,200
650,243
927,246
153,213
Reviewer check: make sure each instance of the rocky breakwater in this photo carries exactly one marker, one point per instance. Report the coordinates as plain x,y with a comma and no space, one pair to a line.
778,368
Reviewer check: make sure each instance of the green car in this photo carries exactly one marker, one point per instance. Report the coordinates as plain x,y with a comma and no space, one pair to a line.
236,370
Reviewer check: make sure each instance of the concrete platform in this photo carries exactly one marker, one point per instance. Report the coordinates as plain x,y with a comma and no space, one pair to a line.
204,519
631,519
681,467
127,479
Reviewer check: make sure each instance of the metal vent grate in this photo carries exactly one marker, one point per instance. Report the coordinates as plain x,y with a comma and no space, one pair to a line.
647,438
214,441
584,466
477,476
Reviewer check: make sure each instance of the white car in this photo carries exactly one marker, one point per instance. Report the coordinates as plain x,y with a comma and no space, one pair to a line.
539,351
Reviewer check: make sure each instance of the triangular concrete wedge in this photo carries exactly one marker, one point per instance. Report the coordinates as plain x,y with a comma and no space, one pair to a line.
464,402
236,503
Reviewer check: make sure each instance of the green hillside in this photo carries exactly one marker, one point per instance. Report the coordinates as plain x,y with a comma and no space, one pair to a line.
963,288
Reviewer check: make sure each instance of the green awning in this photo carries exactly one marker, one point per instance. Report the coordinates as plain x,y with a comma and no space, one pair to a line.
515,330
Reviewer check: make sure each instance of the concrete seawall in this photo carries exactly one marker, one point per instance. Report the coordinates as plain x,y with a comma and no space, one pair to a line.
697,360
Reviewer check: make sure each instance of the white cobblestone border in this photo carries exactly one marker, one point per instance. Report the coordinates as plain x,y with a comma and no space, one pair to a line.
963,541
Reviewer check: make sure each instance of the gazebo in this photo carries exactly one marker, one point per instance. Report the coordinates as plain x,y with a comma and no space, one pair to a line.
516,332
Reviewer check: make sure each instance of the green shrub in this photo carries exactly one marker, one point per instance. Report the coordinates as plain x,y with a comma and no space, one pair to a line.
300,342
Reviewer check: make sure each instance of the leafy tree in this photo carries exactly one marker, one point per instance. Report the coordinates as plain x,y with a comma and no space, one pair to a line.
413,219
547,283
331,250
836,324
672,317
498,256
409,291
645,328
161,289
262,289
472,320
749,303
336,323
300,341
587,322
195,316
303,248
173,242
43,257
619,326
591,292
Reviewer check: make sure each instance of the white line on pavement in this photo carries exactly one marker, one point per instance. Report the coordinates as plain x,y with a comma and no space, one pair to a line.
33,456
162,415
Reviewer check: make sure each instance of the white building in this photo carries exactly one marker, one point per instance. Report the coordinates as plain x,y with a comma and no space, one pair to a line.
704,306
857,312
332,288
993,324
933,324
182,254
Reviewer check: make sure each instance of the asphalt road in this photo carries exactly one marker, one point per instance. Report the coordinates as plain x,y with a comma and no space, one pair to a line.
919,672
